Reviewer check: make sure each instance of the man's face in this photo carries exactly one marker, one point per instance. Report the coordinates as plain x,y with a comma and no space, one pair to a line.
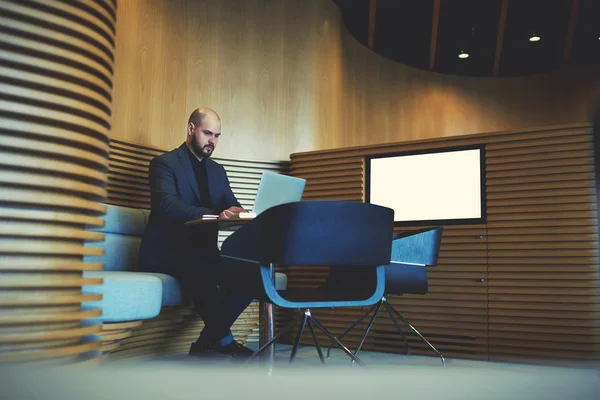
205,136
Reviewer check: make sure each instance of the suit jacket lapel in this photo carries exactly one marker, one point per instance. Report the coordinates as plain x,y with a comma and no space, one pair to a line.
186,165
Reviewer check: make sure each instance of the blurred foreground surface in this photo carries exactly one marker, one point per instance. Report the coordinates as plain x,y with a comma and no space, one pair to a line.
185,378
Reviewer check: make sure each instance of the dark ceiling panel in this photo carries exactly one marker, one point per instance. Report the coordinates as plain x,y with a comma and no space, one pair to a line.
547,19
403,31
403,34
355,14
472,26
586,41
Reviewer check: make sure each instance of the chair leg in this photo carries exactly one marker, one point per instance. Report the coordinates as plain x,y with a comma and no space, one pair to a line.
333,338
390,312
358,321
299,335
399,316
267,329
270,342
375,314
314,336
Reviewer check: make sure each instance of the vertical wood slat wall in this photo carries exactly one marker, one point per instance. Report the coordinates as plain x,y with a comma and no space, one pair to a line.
176,327
56,76
523,286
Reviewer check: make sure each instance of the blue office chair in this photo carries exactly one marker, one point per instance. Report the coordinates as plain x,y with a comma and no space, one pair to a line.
406,274
352,238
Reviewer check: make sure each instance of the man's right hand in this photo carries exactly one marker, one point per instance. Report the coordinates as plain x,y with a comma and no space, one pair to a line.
231,212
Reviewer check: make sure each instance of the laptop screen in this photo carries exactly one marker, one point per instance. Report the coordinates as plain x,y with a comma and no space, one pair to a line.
275,189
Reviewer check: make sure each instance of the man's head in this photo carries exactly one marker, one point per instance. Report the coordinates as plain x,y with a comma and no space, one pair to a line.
203,131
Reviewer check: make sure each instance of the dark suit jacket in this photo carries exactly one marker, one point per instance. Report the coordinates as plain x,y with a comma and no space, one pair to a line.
175,199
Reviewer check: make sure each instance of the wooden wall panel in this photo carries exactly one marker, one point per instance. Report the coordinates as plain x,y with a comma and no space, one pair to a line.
287,77
176,327
539,306
255,62
56,70
525,284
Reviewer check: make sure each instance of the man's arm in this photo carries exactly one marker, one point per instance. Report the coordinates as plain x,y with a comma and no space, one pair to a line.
164,197
232,205
230,198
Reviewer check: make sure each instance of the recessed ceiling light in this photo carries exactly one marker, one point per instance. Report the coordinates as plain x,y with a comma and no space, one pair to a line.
463,54
534,38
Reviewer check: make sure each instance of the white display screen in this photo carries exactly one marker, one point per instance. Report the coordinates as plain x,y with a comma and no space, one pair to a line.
434,186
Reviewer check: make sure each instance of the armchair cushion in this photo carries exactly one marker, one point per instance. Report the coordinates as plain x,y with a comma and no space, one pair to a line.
126,296
172,294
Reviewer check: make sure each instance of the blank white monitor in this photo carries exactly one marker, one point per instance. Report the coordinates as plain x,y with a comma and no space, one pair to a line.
436,186
275,189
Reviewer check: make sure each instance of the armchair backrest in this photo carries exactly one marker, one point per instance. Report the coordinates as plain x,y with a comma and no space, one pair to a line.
123,229
333,233
417,247
420,247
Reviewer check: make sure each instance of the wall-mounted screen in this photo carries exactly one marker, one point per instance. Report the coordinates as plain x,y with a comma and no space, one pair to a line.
435,186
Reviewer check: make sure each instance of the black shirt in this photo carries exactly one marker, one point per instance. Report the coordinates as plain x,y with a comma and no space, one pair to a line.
199,168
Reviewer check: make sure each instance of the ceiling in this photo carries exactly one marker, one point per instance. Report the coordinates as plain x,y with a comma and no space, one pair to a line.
430,34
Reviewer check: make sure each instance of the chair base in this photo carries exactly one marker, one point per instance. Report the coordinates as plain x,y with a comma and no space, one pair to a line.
310,321
395,316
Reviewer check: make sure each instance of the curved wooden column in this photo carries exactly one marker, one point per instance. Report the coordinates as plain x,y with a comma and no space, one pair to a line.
56,71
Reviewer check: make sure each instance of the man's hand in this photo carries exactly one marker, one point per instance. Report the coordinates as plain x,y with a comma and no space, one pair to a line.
231,212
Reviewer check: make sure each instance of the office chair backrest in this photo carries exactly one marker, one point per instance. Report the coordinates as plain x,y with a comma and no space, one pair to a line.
334,233
417,247
408,248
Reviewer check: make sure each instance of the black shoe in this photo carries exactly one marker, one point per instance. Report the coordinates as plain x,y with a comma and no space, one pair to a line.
236,350
206,349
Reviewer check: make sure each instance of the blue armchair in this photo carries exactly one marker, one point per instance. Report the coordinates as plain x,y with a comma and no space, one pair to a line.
352,238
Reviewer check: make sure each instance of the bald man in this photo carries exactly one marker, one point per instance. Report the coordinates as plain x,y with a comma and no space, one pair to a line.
186,184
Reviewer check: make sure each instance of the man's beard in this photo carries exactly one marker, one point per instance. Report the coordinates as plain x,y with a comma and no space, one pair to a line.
205,151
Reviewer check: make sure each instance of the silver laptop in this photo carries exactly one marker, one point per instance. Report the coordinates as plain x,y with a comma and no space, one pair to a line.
275,189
